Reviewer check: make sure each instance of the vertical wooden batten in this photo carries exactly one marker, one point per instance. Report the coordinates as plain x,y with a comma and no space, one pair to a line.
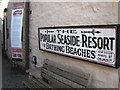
26,36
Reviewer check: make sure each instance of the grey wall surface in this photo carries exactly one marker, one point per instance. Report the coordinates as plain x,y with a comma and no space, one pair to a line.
51,14
0,54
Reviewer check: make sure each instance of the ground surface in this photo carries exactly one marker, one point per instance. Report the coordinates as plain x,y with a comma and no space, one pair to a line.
12,76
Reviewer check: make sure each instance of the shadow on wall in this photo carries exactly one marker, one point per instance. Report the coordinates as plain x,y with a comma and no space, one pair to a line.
0,53
0,35
0,24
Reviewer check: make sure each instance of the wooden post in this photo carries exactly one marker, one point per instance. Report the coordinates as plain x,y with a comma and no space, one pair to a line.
26,36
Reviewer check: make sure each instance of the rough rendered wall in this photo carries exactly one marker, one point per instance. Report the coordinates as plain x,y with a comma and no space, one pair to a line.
1,33
69,14
9,13
0,52
0,25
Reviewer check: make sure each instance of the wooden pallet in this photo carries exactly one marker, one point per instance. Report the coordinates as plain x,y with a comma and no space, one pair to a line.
59,76
36,83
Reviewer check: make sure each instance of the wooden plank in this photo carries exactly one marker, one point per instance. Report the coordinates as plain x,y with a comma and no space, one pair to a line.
55,82
25,34
65,68
67,75
37,69
44,83
29,85
38,83
33,83
61,79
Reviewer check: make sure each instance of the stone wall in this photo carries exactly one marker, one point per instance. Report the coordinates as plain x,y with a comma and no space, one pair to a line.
9,13
0,25
50,14
1,52
1,34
